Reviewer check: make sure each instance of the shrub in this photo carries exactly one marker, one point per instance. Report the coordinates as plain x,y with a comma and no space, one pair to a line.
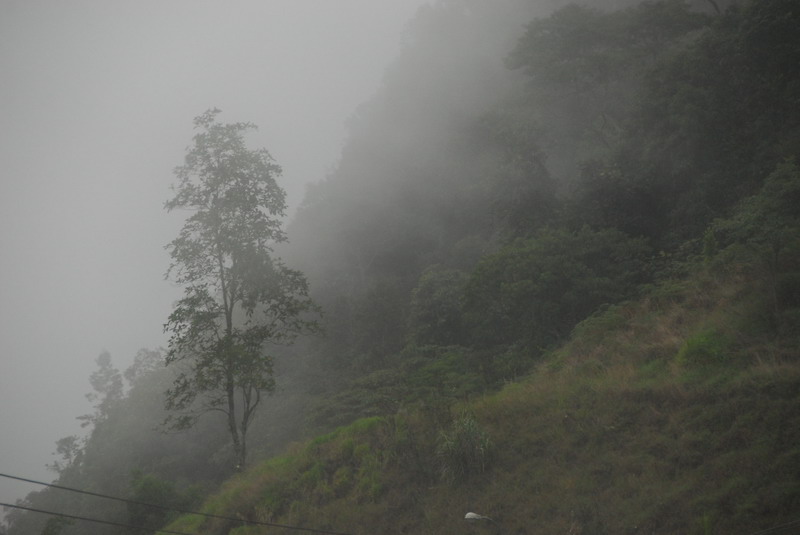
464,450
535,290
705,348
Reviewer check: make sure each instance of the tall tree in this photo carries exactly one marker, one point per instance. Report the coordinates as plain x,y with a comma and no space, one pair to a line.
237,296
106,382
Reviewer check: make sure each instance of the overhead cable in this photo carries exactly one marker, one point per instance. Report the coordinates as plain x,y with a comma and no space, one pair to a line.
174,509
775,529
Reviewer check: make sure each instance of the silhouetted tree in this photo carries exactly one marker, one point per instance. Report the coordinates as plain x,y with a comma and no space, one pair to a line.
106,382
237,296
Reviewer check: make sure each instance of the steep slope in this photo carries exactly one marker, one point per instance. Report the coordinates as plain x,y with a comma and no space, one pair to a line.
674,413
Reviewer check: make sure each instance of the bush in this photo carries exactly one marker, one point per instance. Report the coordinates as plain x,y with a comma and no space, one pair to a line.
464,450
534,291
708,347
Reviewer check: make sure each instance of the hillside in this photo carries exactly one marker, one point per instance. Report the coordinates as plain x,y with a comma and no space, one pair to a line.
673,413
559,270
608,343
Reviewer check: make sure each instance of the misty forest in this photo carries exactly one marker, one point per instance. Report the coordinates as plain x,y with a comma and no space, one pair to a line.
554,280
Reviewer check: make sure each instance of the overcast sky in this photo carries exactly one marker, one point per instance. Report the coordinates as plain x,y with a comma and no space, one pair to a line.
96,106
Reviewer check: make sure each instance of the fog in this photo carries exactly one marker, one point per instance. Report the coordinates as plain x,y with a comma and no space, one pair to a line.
97,103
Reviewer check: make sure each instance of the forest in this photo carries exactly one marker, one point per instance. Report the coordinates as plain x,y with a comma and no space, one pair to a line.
557,270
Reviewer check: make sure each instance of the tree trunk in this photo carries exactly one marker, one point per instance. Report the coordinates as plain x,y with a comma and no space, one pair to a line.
238,446
241,458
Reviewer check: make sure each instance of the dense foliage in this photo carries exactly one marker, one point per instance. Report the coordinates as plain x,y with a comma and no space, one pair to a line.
559,264
619,138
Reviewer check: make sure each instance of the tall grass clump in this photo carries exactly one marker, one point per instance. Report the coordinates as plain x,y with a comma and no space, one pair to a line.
464,450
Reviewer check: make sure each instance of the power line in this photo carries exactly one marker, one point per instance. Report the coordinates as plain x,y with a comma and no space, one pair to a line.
98,521
175,509
777,528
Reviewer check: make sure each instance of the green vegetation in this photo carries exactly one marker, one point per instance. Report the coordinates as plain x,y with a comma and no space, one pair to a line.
614,348
568,299
613,432
464,450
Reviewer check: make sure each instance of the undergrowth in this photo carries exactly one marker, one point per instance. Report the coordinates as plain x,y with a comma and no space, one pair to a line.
673,413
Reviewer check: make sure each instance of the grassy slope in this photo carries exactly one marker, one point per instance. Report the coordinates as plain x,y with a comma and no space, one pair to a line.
677,413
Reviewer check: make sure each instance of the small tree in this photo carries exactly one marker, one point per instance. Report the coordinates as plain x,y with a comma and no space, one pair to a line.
237,296
106,382
70,449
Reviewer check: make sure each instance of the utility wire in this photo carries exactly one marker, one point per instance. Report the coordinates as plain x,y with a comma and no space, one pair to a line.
87,519
175,509
780,527
777,528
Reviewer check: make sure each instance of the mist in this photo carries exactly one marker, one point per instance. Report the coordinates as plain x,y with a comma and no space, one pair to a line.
527,240
97,105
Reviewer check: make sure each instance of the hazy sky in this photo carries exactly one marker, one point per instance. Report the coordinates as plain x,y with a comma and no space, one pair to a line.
96,106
